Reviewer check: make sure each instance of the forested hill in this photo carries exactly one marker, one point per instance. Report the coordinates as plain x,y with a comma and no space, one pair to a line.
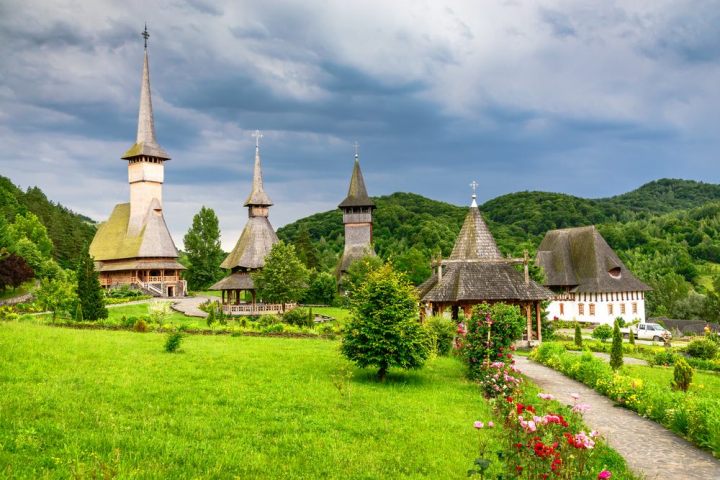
68,231
410,228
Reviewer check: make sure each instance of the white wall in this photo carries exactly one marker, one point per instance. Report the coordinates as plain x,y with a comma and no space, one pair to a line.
570,309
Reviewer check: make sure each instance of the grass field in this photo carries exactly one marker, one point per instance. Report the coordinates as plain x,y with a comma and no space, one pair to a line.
89,404
705,384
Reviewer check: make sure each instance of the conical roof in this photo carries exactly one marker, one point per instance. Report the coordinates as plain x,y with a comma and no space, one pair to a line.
357,193
252,247
475,241
146,143
257,196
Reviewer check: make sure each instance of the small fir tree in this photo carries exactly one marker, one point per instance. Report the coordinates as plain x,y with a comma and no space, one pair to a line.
578,335
616,353
306,251
78,313
631,336
683,374
384,330
89,292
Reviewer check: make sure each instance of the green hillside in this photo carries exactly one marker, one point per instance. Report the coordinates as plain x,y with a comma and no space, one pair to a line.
68,231
666,231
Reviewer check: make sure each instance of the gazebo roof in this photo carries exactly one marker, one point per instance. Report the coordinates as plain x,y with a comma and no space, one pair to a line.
476,271
235,281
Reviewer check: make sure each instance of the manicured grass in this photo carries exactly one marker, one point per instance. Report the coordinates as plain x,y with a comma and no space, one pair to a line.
705,384
339,314
207,293
88,403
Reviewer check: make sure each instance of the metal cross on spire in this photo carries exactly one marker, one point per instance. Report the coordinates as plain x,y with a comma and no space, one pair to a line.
258,135
145,35
357,149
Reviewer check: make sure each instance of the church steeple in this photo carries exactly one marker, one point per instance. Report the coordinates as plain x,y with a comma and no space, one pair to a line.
145,142
357,193
258,197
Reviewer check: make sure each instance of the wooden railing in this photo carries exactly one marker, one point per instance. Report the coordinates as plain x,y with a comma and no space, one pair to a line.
257,309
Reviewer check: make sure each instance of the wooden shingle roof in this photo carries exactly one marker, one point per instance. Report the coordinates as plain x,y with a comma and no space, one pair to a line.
580,259
357,193
255,242
477,272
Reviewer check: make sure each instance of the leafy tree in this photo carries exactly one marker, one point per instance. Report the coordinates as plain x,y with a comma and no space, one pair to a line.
616,353
89,292
384,330
14,271
602,332
283,279
29,226
203,251
57,294
322,289
358,272
668,290
414,264
306,251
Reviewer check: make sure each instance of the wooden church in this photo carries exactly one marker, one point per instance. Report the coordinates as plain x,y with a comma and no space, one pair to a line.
134,247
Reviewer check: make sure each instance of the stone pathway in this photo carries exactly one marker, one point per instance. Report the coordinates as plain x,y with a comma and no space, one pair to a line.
190,306
649,448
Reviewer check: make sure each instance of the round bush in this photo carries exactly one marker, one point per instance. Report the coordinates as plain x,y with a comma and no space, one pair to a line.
602,332
702,348
442,331
299,317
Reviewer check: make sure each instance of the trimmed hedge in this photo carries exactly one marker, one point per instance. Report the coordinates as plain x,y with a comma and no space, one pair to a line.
691,416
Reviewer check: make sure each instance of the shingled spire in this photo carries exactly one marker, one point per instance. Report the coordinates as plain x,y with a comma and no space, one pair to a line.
475,241
145,142
257,196
357,193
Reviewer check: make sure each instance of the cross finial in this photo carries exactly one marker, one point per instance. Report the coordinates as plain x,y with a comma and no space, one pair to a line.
258,135
474,186
145,35
357,149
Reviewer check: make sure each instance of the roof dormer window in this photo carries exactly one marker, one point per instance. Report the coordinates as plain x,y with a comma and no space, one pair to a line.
615,272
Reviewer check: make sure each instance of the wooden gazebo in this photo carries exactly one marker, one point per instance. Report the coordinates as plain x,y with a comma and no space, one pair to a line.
476,272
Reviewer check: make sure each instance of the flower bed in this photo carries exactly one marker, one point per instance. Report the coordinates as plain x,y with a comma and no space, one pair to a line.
693,416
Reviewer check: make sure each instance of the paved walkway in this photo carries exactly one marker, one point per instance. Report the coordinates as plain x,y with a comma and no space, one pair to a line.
649,448
190,306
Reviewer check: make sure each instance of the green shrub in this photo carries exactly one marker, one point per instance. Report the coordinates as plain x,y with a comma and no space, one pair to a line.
664,358
616,354
8,314
682,374
273,328
578,335
326,329
172,343
442,332
299,317
702,348
140,326
631,336
602,332
266,320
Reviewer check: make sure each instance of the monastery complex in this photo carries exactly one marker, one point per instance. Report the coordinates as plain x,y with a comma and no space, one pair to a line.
585,279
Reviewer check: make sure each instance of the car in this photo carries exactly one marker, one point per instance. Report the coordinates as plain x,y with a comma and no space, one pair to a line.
648,331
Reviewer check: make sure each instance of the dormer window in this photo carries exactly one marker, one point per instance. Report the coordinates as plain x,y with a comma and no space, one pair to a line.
615,272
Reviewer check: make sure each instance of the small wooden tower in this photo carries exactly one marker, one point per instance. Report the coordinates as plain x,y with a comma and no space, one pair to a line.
255,242
134,246
357,211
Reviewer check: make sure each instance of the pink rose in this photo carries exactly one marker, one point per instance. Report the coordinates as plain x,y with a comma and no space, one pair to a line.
478,425
604,475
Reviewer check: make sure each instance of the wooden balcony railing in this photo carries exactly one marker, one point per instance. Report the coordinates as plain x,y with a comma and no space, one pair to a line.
257,309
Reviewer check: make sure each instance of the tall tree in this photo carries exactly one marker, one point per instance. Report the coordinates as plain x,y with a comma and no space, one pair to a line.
306,251
202,247
284,278
58,294
384,330
89,292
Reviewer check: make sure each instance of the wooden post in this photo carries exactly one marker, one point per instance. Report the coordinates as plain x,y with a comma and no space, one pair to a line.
529,323
526,261
538,315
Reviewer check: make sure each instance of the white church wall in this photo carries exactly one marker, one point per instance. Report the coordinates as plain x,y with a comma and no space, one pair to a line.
600,307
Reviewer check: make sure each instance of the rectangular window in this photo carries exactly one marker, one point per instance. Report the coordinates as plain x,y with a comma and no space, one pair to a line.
634,307
622,309
592,309
562,309
610,309
581,309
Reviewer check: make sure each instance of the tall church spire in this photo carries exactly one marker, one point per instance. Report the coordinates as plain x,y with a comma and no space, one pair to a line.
357,193
145,142
257,196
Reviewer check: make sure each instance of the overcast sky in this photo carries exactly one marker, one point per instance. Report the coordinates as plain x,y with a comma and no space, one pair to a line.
591,98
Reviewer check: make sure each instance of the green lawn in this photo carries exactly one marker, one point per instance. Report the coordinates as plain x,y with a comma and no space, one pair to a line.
339,314
705,384
88,404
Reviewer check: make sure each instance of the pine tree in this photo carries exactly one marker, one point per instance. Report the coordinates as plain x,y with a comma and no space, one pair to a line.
306,251
89,291
202,246
616,353
631,336
578,335
78,313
